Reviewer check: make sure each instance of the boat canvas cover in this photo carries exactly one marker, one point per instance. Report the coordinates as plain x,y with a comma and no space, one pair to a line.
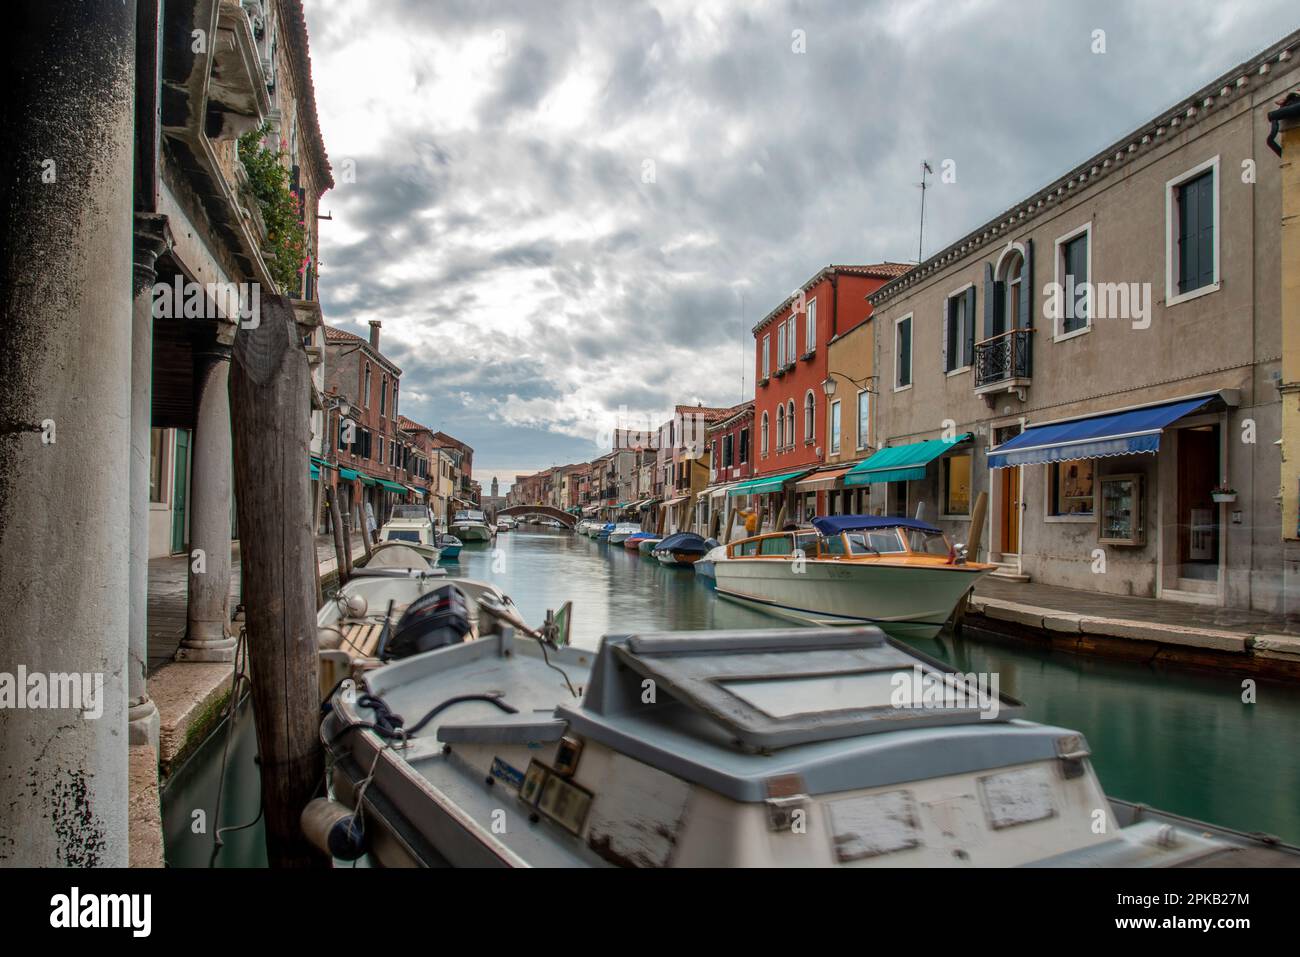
683,542
901,463
1099,436
834,524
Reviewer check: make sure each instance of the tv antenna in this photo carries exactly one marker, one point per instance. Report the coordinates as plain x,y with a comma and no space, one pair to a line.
925,169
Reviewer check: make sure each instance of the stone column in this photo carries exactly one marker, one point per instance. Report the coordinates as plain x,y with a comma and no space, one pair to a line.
65,414
150,240
208,636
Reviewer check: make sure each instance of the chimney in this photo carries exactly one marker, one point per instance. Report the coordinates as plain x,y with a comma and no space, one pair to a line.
374,334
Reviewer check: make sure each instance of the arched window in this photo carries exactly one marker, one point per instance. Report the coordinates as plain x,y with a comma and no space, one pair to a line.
762,439
790,420
808,424
1010,275
780,427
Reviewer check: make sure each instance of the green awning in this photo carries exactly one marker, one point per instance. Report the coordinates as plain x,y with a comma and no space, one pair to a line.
322,463
366,479
768,483
349,475
394,486
315,472
901,463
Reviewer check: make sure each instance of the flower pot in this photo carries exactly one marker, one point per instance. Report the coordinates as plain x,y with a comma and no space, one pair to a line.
1224,496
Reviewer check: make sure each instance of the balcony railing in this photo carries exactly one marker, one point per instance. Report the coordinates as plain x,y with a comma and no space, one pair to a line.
1004,359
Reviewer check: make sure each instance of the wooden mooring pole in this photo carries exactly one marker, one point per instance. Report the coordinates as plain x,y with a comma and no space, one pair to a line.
972,554
341,557
270,404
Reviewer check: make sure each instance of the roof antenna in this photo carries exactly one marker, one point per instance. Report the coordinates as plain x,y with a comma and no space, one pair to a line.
925,168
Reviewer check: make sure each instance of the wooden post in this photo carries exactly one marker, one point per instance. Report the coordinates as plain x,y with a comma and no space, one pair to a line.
340,541
977,526
270,401
347,540
731,520
365,527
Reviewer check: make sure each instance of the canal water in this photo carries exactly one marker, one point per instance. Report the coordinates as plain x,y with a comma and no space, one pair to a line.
1177,740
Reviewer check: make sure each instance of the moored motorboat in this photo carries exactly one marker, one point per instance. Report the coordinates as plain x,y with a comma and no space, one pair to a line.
704,566
899,573
450,546
470,526
633,541
620,532
680,550
647,545
816,747
412,525
604,531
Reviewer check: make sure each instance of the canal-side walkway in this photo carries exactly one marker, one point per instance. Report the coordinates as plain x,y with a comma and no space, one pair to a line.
1092,622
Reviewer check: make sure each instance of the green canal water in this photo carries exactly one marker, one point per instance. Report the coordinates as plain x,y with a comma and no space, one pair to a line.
1177,740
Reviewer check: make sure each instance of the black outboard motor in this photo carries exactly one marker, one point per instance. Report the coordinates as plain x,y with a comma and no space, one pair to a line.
434,620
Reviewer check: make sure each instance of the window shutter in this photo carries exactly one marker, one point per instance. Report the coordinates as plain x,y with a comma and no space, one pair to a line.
968,355
1025,307
990,302
947,322
1205,244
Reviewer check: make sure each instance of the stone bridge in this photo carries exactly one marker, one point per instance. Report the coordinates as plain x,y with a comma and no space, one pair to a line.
555,513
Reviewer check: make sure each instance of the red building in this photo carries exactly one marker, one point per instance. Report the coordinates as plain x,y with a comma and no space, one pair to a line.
790,365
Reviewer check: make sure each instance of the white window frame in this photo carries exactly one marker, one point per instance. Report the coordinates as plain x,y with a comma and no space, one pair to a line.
763,438
1172,298
780,426
810,326
1058,280
789,423
809,417
943,326
767,356
834,425
792,339
943,487
780,345
911,357
863,441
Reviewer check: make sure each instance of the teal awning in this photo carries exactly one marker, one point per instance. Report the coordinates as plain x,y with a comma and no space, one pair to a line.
322,463
901,463
349,475
393,486
366,479
767,483
315,472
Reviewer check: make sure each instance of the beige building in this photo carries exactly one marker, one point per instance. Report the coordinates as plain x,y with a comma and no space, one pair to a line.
1103,358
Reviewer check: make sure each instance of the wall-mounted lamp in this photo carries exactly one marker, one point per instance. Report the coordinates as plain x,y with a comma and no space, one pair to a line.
828,384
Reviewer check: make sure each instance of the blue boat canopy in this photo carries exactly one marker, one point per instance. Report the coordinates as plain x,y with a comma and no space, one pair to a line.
683,542
1099,436
834,524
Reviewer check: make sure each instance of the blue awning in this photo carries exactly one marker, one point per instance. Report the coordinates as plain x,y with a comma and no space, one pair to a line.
1100,436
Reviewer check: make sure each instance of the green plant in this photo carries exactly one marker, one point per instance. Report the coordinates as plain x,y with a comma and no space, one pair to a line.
286,240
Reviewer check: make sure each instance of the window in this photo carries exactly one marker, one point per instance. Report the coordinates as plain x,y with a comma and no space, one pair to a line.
791,337
383,394
1191,233
767,355
1013,274
1070,486
959,330
780,346
366,392
864,418
727,449
835,426
808,415
157,465
956,484
776,545
1073,258
780,427
762,437
744,445
789,424
811,325
394,401
903,353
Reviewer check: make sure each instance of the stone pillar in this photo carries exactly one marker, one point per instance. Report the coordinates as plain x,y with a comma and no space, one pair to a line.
150,240
65,414
208,636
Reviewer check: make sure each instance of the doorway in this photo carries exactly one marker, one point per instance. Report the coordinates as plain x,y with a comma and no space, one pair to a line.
1198,527
1009,510
180,488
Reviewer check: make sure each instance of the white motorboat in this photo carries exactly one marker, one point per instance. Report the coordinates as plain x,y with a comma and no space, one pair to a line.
769,748
619,533
704,566
470,525
413,525
898,573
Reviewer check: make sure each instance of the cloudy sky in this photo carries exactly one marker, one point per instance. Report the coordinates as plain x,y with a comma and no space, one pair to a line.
564,210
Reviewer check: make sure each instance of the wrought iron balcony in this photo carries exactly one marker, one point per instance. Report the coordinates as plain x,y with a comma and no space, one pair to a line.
1004,361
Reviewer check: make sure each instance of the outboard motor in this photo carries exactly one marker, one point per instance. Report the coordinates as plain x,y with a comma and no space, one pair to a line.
434,620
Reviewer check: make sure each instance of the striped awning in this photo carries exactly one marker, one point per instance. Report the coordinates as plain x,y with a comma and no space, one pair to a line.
767,483
901,463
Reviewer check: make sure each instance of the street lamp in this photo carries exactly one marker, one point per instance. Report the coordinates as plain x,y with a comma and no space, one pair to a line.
828,384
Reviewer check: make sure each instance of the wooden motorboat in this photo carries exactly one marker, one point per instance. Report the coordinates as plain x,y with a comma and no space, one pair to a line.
899,573
767,748
633,542
704,566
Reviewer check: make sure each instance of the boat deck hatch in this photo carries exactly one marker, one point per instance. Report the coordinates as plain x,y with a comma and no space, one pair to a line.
773,689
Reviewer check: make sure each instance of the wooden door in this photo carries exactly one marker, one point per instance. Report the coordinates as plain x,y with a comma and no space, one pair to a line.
1009,509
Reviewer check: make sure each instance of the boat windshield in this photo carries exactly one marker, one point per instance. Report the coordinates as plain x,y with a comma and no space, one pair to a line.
776,545
875,541
927,543
469,516
417,512
402,535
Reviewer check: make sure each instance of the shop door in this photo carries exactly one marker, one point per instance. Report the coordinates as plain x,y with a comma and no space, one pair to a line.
1009,509
1198,514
